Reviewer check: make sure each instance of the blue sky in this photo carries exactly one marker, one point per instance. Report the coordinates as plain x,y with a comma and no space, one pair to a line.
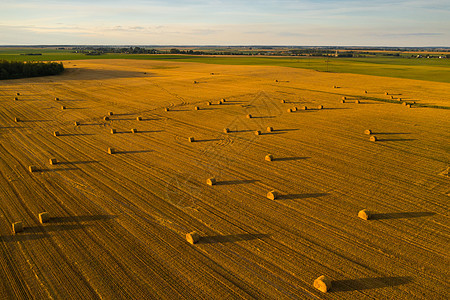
219,22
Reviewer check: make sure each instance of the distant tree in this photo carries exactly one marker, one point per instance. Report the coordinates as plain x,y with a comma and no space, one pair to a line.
15,69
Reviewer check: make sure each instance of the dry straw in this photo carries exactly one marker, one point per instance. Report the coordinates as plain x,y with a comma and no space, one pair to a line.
323,284
17,227
272,195
211,181
44,217
53,161
192,237
364,214
269,157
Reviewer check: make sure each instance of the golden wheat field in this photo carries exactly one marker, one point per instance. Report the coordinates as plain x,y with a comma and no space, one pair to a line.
118,222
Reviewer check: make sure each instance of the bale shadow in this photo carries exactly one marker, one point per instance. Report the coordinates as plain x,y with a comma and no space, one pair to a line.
58,169
76,134
401,215
232,238
244,130
208,140
360,284
77,162
232,182
290,158
300,196
82,218
394,140
387,133
34,121
134,151
335,108
149,131
263,117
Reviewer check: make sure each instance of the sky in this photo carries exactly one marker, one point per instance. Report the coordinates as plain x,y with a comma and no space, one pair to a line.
219,22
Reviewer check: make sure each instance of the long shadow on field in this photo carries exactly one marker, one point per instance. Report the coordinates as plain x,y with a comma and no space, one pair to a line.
82,218
401,215
76,134
347,285
133,151
77,162
290,158
301,196
334,108
149,131
263,117
394,140
232,238
231,182
58,169
208,140
387,133
279,131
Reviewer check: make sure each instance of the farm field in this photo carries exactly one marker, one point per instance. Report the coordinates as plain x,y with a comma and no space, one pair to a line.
118,221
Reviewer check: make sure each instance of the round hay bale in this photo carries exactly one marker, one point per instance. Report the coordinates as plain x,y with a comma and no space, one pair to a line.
269,129
167,109
304,108
138,118
342,101
191,139
289,110
15,98
197,108
392,97
335,87
272,195
269,157
365,92
405,103
276,80
44,217
320,107
226,130
63,107
357,102
77,123
323,284
283,101
344,98
113,130
195,81
294,108
16,119
364,214
223,100
249,116
208,103
56,133
373,138
56,99
111,150
258,132
367,131
17,227
219,102
134,130
408,105
399,99
53,161
211,181
192,237
32,169
386,93
110,113
18,94
106,118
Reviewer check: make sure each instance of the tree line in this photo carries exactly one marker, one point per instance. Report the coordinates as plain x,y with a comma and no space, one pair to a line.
19,69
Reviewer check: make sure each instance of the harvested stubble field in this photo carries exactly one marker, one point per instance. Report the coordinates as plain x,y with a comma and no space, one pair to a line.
118,221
